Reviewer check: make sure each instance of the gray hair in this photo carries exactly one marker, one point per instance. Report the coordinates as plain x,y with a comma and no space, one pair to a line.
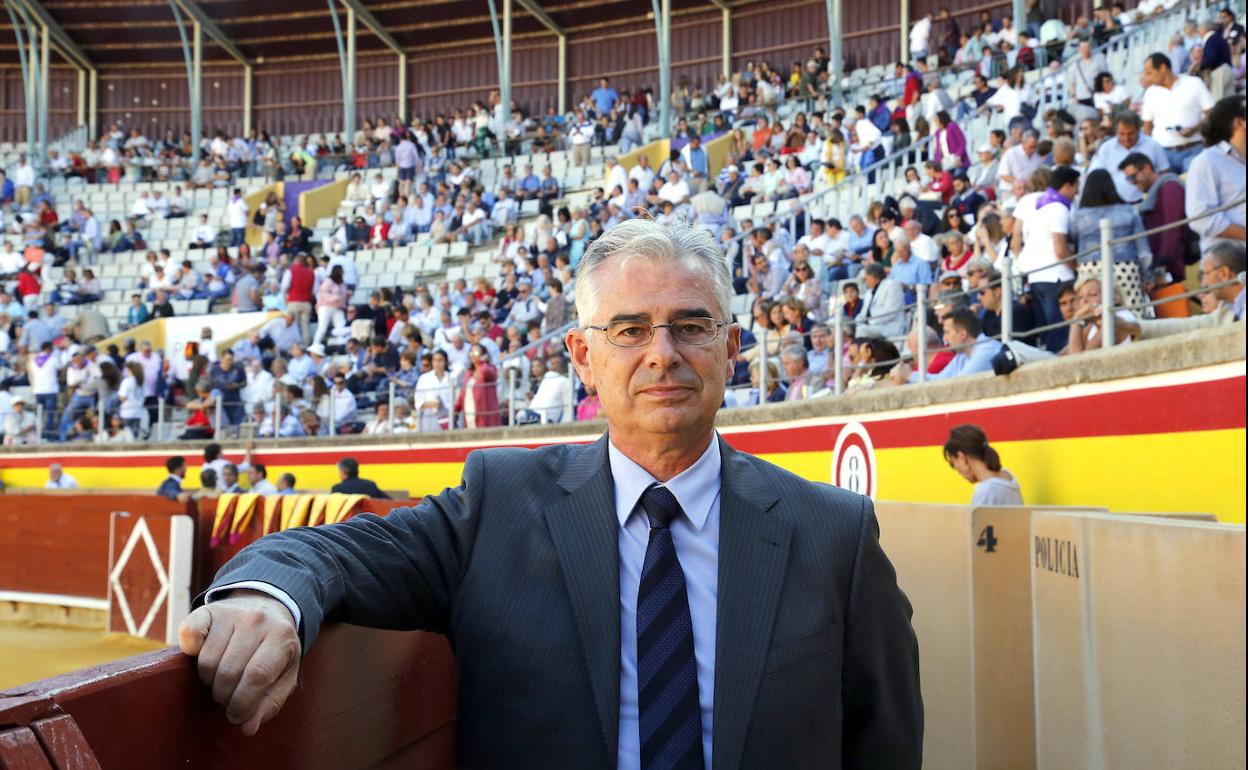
641,237
794,353
1228,254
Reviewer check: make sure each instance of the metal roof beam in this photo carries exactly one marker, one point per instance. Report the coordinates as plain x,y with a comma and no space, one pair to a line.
63,42
192,9
721,5
374,26
533,7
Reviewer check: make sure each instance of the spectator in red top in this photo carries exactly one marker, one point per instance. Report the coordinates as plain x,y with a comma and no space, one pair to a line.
28,286
297,283
1163,204
939,182
762,135
480,410
937,359
913,88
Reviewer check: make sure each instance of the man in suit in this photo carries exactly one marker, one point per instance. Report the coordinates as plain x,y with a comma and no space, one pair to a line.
171,487
653,600
884,308
350,482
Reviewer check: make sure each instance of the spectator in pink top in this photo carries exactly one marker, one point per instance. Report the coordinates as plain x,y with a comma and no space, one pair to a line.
331,303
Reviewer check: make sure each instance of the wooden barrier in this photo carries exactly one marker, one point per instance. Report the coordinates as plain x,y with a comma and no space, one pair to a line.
967,574
56,549
150,566
365,698
1139,642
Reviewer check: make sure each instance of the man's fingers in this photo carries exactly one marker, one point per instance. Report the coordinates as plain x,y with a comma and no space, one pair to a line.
270,661
213,648
272,701
235,661
193,630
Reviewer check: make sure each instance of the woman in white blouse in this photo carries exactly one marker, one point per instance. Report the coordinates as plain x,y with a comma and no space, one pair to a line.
432,395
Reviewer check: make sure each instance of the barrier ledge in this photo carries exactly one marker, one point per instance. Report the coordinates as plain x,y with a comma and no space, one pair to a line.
1192,350
365,698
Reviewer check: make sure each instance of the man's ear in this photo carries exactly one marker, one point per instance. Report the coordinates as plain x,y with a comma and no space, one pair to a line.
577,341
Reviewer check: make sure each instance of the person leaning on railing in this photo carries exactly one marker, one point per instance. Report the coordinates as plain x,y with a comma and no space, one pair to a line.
1223,268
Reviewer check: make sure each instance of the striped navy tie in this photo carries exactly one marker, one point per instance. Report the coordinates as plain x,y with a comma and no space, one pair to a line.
670,718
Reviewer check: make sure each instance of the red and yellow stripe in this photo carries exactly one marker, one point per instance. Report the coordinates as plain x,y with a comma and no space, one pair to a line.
1164,443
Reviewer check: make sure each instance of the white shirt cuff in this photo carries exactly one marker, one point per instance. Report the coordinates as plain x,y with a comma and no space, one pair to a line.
264,588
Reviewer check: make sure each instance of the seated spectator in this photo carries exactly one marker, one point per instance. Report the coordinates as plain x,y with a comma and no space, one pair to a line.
973,351
802,382
991,297
884,306
1085,333
872,360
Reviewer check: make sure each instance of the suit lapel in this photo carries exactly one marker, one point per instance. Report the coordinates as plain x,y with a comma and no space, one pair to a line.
584,530
753,554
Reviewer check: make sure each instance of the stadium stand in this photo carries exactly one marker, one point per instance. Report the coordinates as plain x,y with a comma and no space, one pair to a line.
433,291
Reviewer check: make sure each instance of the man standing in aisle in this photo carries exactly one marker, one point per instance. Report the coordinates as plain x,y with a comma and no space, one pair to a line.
238,214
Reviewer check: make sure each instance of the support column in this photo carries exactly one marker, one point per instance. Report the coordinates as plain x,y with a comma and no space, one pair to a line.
563,74
80,118
1019,14
836,53
904,43
197,91
27,96
663,28
248,84
504,84
726,40
93,104
403,87
45,89
348,97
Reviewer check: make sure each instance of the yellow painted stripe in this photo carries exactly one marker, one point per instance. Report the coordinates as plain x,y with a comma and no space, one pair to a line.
1200,471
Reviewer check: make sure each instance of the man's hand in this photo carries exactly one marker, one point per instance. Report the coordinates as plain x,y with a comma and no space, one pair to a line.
248,650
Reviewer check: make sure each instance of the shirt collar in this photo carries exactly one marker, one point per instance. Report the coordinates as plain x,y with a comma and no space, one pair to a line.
696,488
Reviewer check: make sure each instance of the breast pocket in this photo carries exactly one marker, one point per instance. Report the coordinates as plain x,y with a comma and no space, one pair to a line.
803,649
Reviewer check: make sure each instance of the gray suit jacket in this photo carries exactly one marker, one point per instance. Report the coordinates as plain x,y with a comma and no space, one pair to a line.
816,662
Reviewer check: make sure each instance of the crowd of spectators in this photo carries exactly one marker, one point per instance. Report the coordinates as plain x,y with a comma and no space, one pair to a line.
431,357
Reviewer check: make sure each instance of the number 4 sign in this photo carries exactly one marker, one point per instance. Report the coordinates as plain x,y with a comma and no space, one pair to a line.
853,460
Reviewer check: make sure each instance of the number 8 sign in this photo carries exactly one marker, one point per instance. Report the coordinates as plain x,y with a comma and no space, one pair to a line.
853,460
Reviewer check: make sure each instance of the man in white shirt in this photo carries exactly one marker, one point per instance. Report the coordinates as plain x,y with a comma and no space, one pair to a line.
24,181
817,240
1007,100
205,234
59,479
581,134
922,245
675,190
920,34
1042,220
238,213
1018,163
1174,107
553,399
614,176
642,173
258,478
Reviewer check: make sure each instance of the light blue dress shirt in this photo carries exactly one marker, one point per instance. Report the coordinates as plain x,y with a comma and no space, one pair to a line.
1111,153
972,360
696,537
1215,179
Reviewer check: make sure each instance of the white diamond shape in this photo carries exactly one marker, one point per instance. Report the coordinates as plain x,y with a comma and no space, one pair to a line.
140,531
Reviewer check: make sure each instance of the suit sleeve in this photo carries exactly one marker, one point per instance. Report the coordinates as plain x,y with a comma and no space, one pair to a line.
883,707
399,572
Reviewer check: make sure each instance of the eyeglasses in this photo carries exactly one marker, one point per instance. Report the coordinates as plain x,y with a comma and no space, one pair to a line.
686,331
801,268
